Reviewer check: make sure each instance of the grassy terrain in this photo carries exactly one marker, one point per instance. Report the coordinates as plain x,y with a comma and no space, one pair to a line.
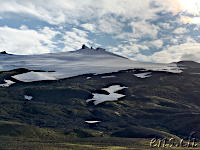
165,105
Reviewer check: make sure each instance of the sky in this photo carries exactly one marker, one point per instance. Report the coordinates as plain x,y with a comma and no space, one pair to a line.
162,31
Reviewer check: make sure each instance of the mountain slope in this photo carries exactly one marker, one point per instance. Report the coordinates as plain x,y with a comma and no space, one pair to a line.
163,105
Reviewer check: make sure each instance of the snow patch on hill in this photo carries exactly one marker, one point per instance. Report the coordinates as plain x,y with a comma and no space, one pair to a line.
26,97
92,122
143,75
104,77
100,98
7,83
35,76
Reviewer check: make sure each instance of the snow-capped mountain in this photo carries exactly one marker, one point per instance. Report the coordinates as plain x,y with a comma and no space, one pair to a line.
100,95
55,66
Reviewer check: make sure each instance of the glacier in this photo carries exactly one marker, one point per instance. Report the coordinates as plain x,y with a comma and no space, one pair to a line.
55,66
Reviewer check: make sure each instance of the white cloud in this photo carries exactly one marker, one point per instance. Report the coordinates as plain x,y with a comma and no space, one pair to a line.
48,32
74,39
102,12
157,43
128,50
189,50
174,40
144,28
137,47
180,30
90,27
113,49
140,29
79,32
128,9
125,36
189,39
53,12
25,41
23,27
141,57
165,26
196,28
186,51
109,25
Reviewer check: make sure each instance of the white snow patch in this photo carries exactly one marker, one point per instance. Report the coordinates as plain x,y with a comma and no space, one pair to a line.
103,77
114,88
7,83
88,78
143,75
92,122
35,76
26,97
100,98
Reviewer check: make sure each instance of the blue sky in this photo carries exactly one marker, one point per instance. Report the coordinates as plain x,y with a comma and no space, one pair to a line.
144,30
